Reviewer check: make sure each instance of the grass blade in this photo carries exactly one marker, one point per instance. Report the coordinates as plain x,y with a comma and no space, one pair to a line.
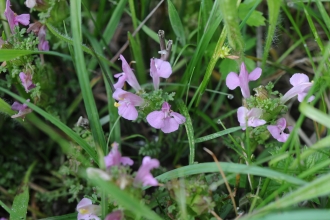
217,134
176,23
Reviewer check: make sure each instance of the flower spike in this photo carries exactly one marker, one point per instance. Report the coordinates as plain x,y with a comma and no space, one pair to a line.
159,68
127,76
14,19
86,210
277,131
114,158
143,175
127,103
249,118
301,86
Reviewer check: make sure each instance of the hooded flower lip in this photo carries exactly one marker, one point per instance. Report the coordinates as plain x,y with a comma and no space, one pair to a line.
22,109
301,86
114,158
26,80
127,76
86,210
14,19
159,68
249,118
277,131
115,215
43,43
233,80
143,175
127,103
166,120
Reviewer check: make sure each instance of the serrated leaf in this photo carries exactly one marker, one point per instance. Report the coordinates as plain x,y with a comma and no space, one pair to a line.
255,19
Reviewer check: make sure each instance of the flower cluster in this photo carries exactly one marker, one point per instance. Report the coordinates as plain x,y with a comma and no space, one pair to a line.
165,119
261,109
117,171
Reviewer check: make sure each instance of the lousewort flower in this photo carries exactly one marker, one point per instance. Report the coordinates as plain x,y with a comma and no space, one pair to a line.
166,120
249,118
277,131
22,109
26,80
127,103
115,215
143,175
301,86
86,210
127,76
14,19
159,68
114,158
43,43
233,80
30,3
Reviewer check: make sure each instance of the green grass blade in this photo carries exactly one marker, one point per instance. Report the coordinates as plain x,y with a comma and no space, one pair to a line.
189,129
125,199
217,134
315,114
229,168
72,216
324,13
10,54
21,200
176,23
274,11
138,57
298,214
68,131
83,78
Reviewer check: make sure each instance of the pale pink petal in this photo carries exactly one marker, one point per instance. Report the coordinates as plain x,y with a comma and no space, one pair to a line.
133,99
255,122
298,78
131,79
126,161
164,68
274,131
17,106
119,94
178,117
283,137
254,112
127,111
115,215
30,3
166,107
121,81
84,202
143,175
255,74
170,125
156,119
232,81
24,19
281,123
242,114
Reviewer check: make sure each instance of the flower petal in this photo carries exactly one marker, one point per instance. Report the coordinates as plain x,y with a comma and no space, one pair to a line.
298,78
170,125
126,161
156,119
131,79
84,202
242,114
274,131
232,81
255,74
255,122
24,19
128,111
178,117
164,68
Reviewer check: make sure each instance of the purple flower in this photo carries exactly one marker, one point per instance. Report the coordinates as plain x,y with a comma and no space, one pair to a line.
233,80
159,68
301,86
14,19
166,120
277,131
26,80
86,210
251,117
143,175
22,109
115,215
127,76
43,43
127,103
114,158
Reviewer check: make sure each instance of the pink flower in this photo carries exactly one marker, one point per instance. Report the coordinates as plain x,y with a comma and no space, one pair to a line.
233,80
86,210
26,80
159,68
30,3
143,175
301,86
14,19
115,215
166,120
127,76
43,43
127,103
114,158
251,117
277,131
22,109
